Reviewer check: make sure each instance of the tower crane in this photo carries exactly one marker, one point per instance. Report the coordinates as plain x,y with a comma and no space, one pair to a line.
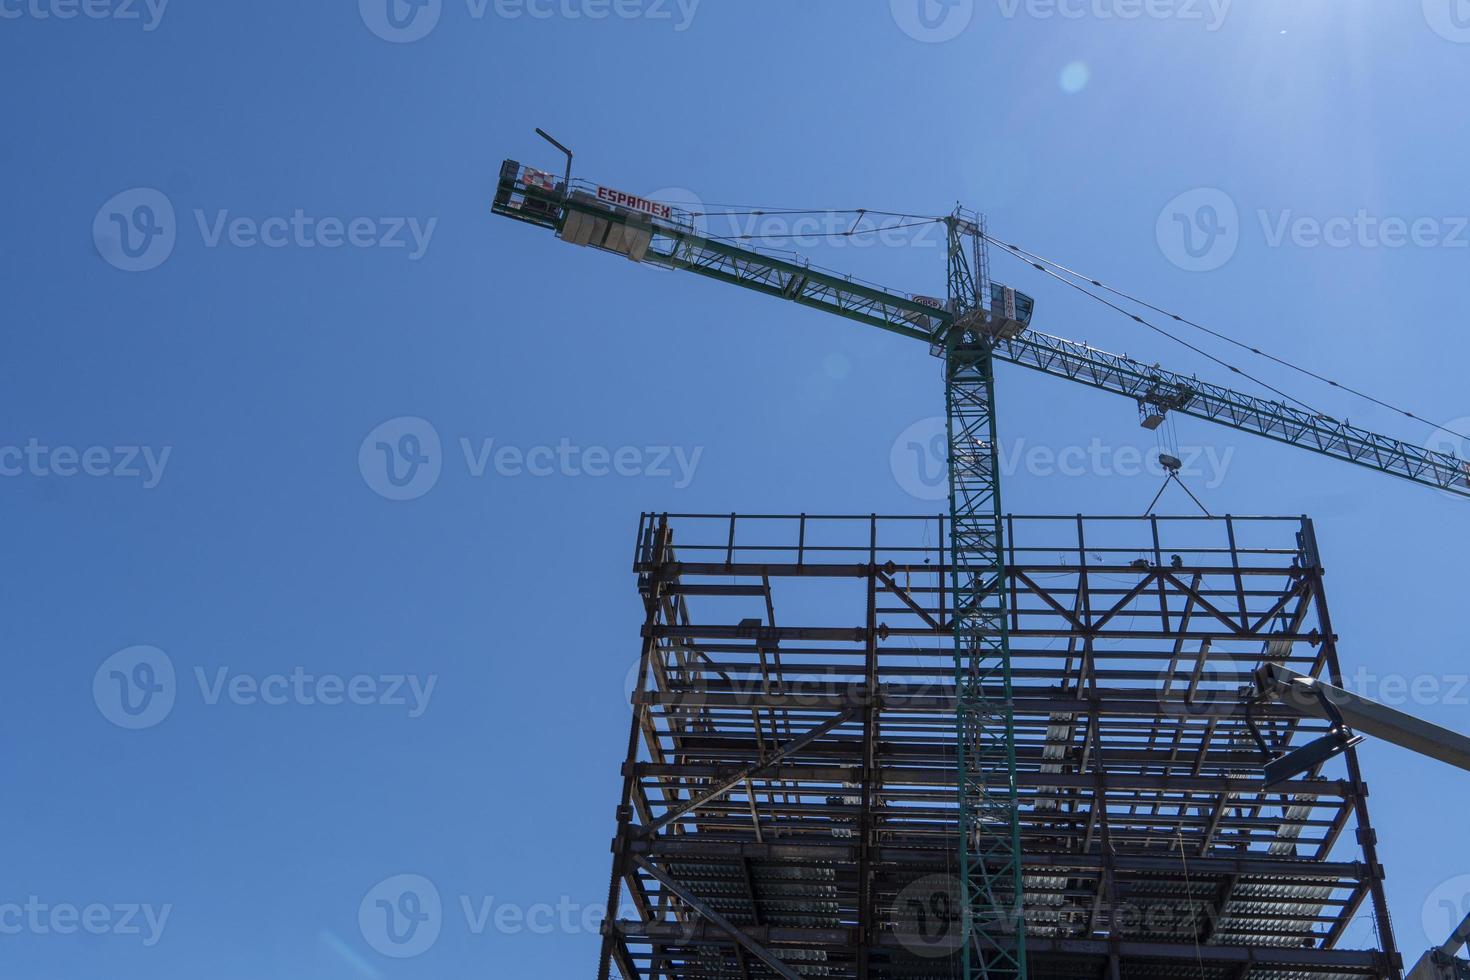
978,324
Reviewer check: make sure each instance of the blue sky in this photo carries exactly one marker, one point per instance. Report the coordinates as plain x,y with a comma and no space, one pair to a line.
192,468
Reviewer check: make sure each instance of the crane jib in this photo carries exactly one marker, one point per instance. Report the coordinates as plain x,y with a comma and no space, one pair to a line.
661,234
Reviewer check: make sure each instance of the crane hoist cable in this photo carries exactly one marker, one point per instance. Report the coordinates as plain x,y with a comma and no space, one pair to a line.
1033,258
1171,473
1178,340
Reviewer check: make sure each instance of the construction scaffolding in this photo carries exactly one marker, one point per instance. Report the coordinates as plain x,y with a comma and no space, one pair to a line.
789,804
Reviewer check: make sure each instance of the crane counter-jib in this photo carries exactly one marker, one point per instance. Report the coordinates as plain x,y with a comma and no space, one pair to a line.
600,217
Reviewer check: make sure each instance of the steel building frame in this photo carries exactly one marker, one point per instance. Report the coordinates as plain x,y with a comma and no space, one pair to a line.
789,807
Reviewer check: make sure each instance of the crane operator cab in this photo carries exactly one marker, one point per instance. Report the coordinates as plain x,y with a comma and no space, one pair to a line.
1010,312
979,329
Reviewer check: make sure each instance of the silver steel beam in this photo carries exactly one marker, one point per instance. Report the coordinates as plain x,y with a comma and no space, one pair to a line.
1364,715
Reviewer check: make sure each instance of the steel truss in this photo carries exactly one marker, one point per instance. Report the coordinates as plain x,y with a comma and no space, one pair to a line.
789,800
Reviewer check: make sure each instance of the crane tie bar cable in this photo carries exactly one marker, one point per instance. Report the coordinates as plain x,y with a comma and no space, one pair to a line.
1066,275
851,233
1033,259
1178,340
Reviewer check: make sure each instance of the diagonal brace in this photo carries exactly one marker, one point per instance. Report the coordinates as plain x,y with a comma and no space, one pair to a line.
755,768
719,921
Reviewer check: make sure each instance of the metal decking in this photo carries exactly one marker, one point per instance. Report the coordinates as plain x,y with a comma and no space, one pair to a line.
790,786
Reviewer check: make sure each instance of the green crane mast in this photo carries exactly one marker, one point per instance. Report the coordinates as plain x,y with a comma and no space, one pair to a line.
992,928
979,324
